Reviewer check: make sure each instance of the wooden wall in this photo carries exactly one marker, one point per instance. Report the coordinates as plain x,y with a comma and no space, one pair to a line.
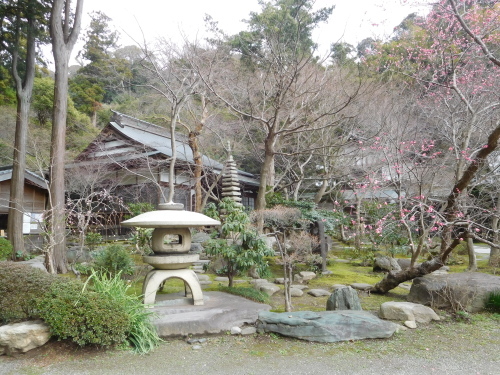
34,198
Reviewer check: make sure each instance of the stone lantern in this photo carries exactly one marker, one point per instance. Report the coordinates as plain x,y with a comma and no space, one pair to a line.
171,242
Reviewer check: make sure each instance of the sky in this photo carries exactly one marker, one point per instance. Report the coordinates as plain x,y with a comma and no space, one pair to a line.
138,20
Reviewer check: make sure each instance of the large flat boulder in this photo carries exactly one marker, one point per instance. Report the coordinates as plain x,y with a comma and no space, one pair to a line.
458,291
22,337
177,316
326,326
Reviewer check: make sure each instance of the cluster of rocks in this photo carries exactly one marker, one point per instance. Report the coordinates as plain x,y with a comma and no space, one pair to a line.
296,289
344,319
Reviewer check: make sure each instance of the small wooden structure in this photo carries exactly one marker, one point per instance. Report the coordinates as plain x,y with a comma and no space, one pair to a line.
35,201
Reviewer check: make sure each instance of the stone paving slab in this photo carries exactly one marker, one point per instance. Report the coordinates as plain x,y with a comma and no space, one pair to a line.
177,316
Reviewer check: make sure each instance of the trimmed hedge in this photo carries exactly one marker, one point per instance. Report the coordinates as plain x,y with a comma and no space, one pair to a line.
20,285
86,317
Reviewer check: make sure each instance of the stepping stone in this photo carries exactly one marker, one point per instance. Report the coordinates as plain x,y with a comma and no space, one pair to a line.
405,286
342,261
296,292
318,292
248,331
338,286
268,288
307,275
299,286
361,286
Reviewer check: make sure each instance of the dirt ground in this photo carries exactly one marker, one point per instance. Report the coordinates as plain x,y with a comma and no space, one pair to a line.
446,347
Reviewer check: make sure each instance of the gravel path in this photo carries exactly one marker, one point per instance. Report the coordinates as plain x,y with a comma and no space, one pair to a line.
444,348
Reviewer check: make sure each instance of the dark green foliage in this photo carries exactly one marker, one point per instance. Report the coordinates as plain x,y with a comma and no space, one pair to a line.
248,293
114,259
5,153
287,22
92,239
141,237
493,302
84,316
20,285
138,208
5,248
7,88
239,247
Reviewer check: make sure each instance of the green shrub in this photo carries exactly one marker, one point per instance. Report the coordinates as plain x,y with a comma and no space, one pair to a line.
114,259
5,248
92,239
20,285
493,302
141,334
84,316
248,293
238,246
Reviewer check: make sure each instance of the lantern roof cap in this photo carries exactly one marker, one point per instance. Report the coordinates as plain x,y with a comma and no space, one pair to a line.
170,215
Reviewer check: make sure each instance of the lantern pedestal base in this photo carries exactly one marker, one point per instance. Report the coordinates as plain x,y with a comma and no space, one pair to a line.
155,277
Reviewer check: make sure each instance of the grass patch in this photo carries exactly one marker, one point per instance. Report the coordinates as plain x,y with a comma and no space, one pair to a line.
141,333
248,293
493,302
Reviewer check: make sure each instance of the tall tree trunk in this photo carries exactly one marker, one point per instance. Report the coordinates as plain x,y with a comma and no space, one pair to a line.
323,244
296,190
358,229
24,89
495,251
472,256
198,168
197,157
16,201
319,194
265,172
63,40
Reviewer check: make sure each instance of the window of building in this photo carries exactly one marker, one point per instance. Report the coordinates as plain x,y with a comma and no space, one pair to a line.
248,202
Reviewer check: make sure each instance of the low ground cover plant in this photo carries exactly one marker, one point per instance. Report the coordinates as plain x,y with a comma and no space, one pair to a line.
248,293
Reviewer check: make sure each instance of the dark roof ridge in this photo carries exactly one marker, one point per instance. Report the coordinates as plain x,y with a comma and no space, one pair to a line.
156,129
